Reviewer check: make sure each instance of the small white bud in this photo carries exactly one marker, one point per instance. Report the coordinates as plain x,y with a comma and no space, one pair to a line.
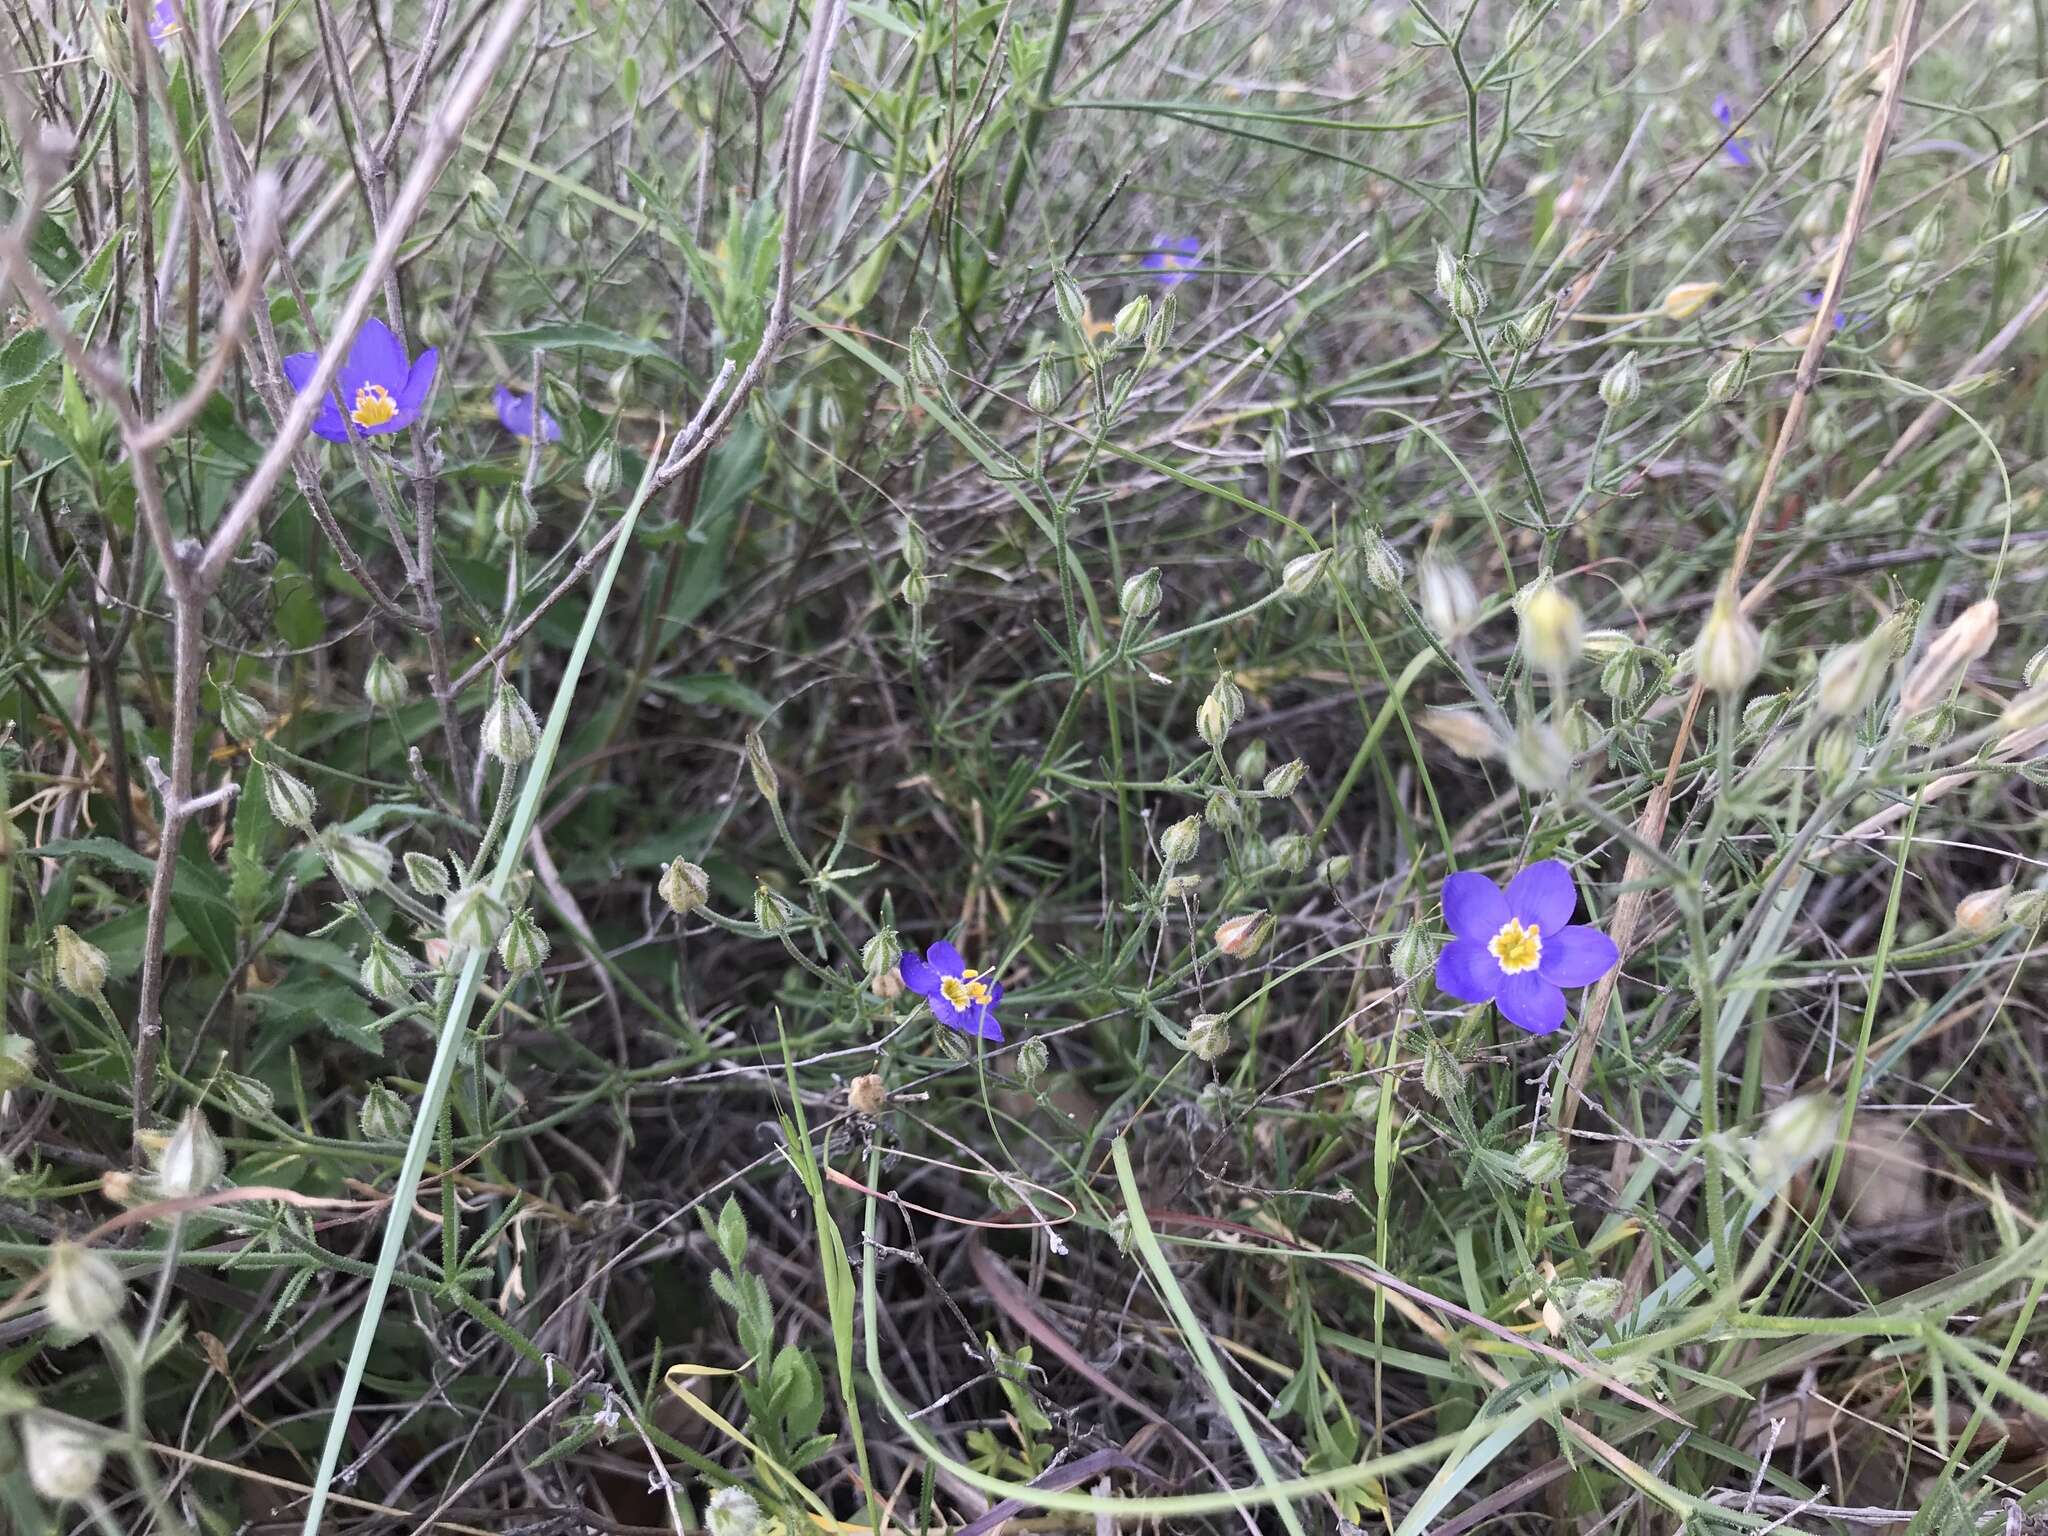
1208,1036
80,968
1179,843
1983,912
1730,379
64,1462
1414,953
1289,852
387,973
17,1064
1791,1136
1538,758
601,472
291,799
1032,1060
384,1115
1622,384
1043,393
510,732
1729,652
1949,657
771,911
1140,595
358,863
1222,810
1245,935
881,954
1597,1300
383,684
1851,676
761,766
1130,320
248,1097
1449,600
1303,572
516,519
684,887
472,918
192,1160
1383,567
1553,633
1541,1160
1285,779
426,874
523,946
241,716
1466,732
732,1512
86,1292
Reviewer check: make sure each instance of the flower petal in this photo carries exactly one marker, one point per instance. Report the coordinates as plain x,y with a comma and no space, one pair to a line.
995,993
328,423
917,976
1529,1002
947,1014
1577,956
298,370
375,357
1543,894
419,383
945,959
1467,971
981,1022
1473,906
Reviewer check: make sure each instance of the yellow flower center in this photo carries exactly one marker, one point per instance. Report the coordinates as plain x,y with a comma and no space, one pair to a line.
964,991
374,406
1517,948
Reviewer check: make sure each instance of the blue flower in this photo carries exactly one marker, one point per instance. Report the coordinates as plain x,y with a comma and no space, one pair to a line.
1740,151
163,21
515,415
381,389
966,1000
1173,259
1517,950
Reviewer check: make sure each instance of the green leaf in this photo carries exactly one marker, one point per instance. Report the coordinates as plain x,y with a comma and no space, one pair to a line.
297,606
576,334
714,690
23,362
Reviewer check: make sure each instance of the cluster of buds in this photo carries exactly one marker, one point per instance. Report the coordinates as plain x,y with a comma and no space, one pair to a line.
1220,711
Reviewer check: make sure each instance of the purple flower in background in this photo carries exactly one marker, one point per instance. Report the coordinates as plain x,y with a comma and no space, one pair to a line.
1739,150
163,21
515,415
1811,299
380,388
1173,259
966,1000
1519,949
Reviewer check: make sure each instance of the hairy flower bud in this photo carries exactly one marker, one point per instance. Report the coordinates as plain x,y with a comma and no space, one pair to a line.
771,911
1792,1135
1072,305
1538,758
1983,912
1553,633
1458,286
1284,780
192,1161
472,918
1442,1077
1179,843
1208,1036
1527,333
64,1462
523,946
1130,320
1998,180
1043,393
1245,935
1140,595
1450,603
1222,810
1335,869
384,1115
1729,652
684,886
510,732
1541,1160
761,766
601,472
387,973
1622,384
928,363
80,968
291,799
86,1292
1685,300
1851,676
248,1097
1289,852
1414,953
1466,732
17,1061
383,684
1597,1300
1303,572
1032,1060
1945,661
426,874
732,1512
358,863
867,1094
1383,567
241,716
1728,381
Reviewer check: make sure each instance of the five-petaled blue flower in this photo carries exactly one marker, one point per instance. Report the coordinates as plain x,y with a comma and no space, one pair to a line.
1739,150
380,389
1173,260
163,21
1517,950
515,415
964,999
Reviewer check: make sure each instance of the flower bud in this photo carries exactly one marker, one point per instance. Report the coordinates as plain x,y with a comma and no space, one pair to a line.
1414,953
1222,810
64,1462
1211,724
684,887
927,363
1289,852
17,1061
1851,676
1622,384
1245,935
426,874
1597,1300
889,985
1998,180
1251,762
1450,603
916,590
1834,755
1792,1135
1335,869
358,863
1983,912
1685,300
1461,290
248,1097
1527,333
1553,633
1789,30
601,472
1179,843
1442,1077
1538,758
1072,305
1208,1036
759,765
384,1115
1729,652
1032,1059
192,1161
510,732
2027,909
770,910
1286,779
880,954
867,1094
1303,572
387,973
1139,598
1903,318
472,918
241,716
1130,320
1945,661
1383,567
1541,1160
523,946
915,551
1043,393
291,800
732,1512
1466,732
1760,714
1930,234
1728,381
2025,711
1160,332
81,968
86,1292
1623,675
383,684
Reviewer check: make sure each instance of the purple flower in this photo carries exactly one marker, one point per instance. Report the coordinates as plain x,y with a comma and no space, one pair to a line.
163,21
963,999
1739,150
1173,259
1811,299
382,390
515,415
1517,950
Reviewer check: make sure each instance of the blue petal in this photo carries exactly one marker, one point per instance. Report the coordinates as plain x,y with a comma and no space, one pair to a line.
328,423
419,383
298,370
1577,957
945,959
1473,906
981,1022
947,1014
375,357
918,976
1543,895
1467,971
1529,1002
